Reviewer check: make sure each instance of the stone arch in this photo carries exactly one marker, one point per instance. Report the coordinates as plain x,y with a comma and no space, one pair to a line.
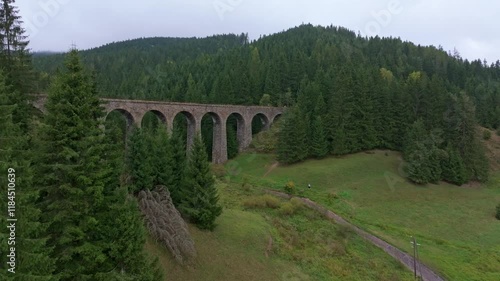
264,119
276,117
158,114
125,113
219,138
243,130
193,126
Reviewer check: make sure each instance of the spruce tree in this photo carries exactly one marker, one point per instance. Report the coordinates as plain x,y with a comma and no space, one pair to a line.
140,161
423,154
16,60
319,142
291,138
417,167
200,198
32,252
179,163
461,132
162,158
453,167
80,202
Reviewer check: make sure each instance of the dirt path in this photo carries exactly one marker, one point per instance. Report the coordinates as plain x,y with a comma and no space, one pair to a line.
407,260
271,169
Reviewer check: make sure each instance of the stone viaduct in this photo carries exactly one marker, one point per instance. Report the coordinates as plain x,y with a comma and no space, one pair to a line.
134,111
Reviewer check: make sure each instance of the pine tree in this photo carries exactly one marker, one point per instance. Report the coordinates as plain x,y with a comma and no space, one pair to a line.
453,167
423,154
192,94
16,60
461,131
140,161
291,138
415,135
32,252
162,158
417,167
73,171
201,201
179,162
123,224
319,142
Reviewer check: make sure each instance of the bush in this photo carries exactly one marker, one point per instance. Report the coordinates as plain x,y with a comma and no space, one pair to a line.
297,203
498,132
290,187
486,134
287,209
291,207
271,201
265,201
254,202
498,212
244,184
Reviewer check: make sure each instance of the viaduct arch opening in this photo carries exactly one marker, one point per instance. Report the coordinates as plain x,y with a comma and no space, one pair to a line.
153,119
260,122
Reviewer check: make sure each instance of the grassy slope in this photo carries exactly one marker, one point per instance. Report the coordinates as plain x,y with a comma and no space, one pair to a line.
305,247
234,251
455,225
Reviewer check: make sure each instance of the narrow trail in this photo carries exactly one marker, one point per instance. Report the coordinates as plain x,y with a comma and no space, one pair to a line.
407,260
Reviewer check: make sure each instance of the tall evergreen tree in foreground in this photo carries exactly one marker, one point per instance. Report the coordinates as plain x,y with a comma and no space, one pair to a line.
94,232
179,163
32,253
200,198
16,60
139,160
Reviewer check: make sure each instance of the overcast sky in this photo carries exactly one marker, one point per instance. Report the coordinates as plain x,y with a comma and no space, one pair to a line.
472,27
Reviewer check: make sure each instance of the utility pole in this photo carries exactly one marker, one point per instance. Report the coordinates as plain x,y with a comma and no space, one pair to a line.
415,255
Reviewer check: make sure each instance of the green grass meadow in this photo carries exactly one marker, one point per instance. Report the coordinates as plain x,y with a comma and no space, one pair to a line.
305,246
455,226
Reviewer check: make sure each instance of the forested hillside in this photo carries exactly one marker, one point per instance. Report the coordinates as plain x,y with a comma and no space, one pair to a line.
348,93
230,69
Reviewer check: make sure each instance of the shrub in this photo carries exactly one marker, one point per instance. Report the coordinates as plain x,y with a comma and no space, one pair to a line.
254,202
287,209
498,132
244,184
486,135
297,203
290,187
265,201
291,207
271,201
498,212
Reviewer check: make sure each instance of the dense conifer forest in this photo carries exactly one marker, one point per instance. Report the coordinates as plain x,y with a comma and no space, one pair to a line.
347,93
